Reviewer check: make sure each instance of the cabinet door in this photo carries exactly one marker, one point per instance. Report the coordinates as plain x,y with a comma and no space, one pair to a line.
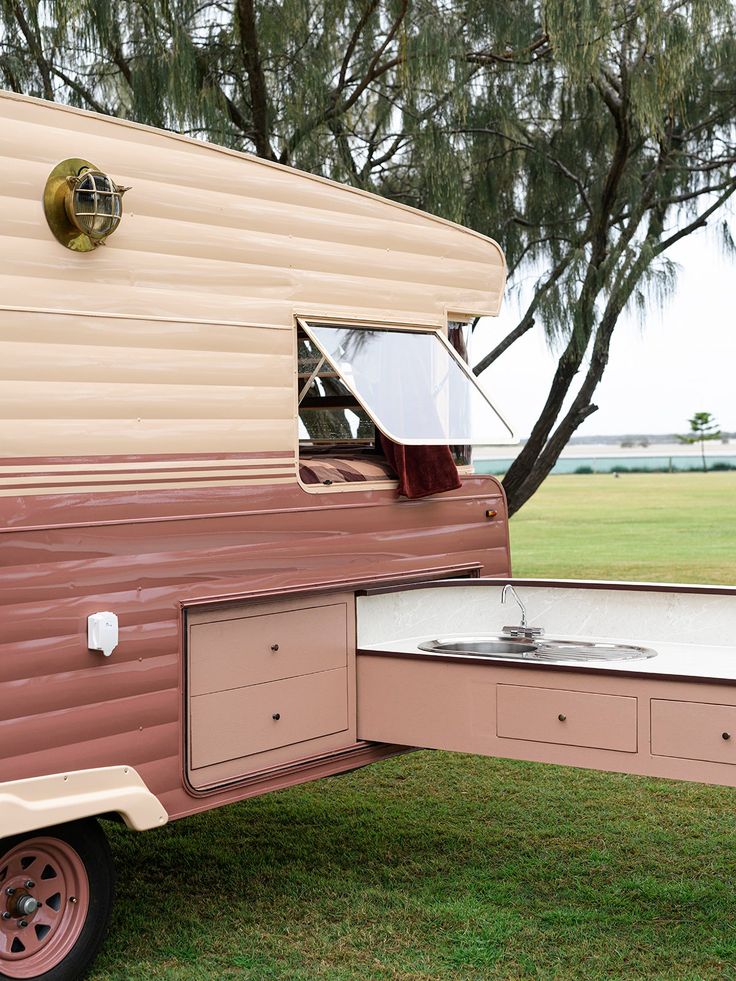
694,730
569,718
491,710
269,685
230,725
252,650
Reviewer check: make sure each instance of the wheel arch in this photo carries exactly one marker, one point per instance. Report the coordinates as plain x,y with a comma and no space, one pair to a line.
40,802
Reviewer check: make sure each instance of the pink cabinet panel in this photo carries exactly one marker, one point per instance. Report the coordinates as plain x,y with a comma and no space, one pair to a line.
694,730
568,718
229,725
650,725
251,650
271,684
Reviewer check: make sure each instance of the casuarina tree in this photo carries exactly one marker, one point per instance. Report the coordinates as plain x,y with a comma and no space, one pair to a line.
587,136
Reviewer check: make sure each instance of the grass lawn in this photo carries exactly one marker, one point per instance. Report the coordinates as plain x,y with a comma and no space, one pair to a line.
442,866
678,527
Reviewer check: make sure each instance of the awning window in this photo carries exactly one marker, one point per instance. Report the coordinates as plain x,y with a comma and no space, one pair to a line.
412,383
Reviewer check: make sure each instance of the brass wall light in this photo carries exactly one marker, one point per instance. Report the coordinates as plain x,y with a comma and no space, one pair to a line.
83,206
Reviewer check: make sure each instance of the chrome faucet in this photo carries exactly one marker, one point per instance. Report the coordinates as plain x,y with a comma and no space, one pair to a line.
523,630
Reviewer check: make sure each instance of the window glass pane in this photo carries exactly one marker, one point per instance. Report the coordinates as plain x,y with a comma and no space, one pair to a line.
330,425
319,420
412,384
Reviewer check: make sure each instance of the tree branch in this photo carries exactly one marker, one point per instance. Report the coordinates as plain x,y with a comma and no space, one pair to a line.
35,47
81,90
698,222
369,10
256,79
527,321
523,145
524,56
338,106
10,75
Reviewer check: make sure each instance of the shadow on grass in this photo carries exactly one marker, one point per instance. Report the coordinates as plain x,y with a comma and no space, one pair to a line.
435,866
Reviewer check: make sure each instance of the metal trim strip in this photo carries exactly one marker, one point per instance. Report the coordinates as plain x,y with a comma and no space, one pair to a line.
661,587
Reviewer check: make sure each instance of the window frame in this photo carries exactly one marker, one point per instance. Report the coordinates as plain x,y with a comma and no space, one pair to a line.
306,323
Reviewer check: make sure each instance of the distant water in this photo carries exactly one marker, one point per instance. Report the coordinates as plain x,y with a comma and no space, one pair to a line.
606,464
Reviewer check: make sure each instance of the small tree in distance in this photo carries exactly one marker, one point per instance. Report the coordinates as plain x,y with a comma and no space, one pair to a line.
703,427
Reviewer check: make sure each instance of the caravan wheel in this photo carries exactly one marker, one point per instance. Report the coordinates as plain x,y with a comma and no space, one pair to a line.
56,891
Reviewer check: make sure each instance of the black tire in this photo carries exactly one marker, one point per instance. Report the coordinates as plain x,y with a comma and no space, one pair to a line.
88,840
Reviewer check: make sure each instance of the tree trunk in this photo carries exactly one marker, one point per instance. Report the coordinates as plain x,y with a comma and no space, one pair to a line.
256,78
531,468
526,462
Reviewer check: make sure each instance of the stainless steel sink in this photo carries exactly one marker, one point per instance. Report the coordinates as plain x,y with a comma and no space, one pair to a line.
546,649
484,646
582,650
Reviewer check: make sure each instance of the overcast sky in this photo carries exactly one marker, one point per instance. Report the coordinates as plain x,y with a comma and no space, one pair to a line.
681,359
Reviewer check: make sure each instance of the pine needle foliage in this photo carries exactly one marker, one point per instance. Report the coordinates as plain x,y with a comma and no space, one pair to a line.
587,136
703,428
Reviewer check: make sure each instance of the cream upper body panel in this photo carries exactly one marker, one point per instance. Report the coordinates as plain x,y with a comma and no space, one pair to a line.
212,234
175,341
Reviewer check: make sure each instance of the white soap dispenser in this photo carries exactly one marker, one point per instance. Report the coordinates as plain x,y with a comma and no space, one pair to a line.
102,632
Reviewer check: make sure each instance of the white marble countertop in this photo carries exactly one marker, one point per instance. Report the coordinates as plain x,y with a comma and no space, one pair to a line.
673,659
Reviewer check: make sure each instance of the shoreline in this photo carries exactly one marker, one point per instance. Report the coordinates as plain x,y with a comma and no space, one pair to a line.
713,450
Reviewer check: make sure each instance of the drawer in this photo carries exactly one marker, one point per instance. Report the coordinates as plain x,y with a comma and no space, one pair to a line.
694,730
253,650
228,725
569,718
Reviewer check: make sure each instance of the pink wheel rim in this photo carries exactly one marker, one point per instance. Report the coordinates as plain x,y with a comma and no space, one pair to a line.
52,874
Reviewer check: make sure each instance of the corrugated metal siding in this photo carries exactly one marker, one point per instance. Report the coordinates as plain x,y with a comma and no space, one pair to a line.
148,435
62,707
217,235
139,362
72,386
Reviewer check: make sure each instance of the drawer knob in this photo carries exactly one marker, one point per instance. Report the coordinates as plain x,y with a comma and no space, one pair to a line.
274,647
562,717
490,513
725,735
276,716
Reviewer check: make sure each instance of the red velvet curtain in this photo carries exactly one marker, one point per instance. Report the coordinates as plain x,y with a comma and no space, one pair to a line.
422,470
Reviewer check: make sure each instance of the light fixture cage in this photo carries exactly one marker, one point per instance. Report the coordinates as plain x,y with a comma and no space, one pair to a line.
83,205
94,204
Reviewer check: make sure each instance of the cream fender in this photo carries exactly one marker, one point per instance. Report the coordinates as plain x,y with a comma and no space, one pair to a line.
39,802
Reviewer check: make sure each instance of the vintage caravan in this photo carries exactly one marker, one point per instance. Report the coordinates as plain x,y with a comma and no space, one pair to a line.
241,541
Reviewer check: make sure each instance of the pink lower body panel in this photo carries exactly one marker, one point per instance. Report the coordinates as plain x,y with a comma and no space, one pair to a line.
658,726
